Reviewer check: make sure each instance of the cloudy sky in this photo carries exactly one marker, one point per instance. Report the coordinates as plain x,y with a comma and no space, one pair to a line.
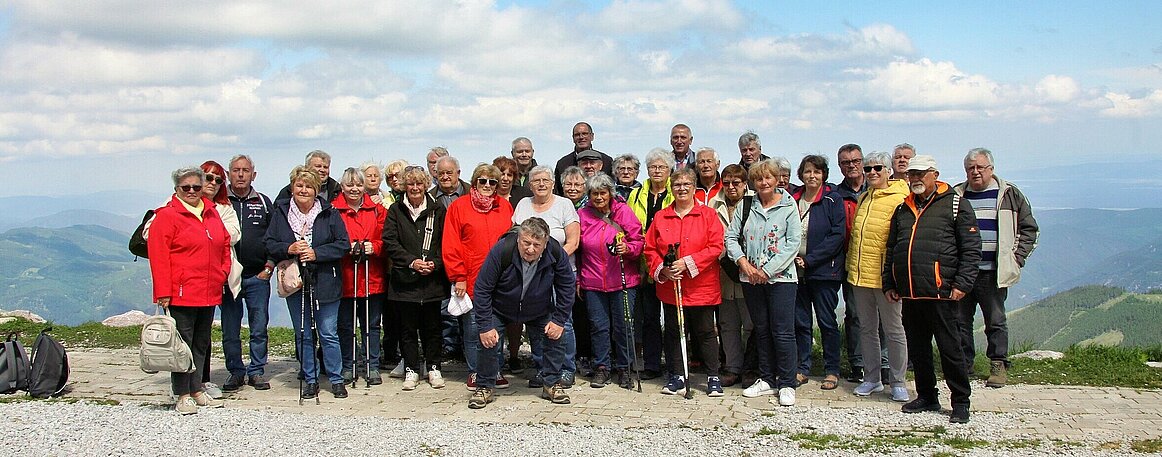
115,94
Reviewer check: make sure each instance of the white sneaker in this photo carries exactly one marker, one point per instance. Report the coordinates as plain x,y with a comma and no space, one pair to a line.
786,396
398,371
435,378
212,390
758,389
410,380
186,406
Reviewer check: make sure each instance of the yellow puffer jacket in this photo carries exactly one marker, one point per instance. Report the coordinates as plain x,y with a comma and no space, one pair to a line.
869,233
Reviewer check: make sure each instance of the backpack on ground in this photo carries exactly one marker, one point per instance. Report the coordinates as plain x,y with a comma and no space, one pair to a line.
50,367
13,365
138,245
162,348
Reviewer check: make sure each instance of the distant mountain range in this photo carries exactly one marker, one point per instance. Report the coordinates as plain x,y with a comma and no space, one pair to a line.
1088,314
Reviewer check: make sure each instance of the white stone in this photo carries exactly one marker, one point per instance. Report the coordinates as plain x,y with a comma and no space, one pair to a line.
127,319
29,315
1039,355
1154,364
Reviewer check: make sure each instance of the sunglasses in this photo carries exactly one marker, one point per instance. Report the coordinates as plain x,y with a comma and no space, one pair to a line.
413,167
487,181
869,168
191,188
215,179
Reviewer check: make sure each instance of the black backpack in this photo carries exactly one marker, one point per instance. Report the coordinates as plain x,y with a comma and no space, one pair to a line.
137,243
13,365
50,367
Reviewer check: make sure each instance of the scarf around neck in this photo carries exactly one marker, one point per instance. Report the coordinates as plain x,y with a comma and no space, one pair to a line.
303,224
480,203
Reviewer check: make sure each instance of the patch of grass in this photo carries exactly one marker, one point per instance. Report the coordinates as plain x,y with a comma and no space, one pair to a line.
1090,366
768,431
95,335
944,454
961,443
1146,446
1020,444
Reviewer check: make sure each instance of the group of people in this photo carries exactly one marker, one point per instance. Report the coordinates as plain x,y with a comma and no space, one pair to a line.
726,270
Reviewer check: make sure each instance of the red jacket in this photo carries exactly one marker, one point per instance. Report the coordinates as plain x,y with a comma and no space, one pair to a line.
468,235
189,259
701,238
365,223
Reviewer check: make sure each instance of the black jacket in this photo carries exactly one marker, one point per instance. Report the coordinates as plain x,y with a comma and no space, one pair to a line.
934,248
403,239
329,240
254,218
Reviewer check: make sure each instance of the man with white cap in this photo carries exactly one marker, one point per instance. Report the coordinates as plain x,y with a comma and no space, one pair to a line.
932,260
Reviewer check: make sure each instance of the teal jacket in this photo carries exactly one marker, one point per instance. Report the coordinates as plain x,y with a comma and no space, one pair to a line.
772,238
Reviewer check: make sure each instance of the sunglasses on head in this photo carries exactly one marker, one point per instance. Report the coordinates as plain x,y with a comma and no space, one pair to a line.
869,168
488,181
215,179
191,188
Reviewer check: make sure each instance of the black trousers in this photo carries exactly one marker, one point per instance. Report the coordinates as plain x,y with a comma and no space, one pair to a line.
420,322
991,300
923,321
193,323
700,327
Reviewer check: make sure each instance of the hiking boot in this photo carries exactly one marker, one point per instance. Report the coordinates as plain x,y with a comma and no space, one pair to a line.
625,379
310,391
998,374
186,406
567,379
435,378
600,378
258,382
729,379
786,396
676,386
501,382
555,393
206,401
234,383
374,378
398,371
758,389
348,376
339,390
212,390
471,384
867,388
411,379
900,394
714,386
481,398
920,405
856,375
536,381
959,414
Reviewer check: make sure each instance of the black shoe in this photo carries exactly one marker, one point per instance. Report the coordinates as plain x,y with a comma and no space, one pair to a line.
600,378
514,364
625,379
310,390
650,374
339,390
856,375
536,382
234,383
959,414
258,382
921,404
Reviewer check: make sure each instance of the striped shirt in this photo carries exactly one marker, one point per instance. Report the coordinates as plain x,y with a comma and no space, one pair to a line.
984,203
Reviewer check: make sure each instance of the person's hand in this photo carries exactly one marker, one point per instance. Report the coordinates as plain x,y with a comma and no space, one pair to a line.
621,248
760,277
554,331
163,302
367,248
678,268
296,247
460,288
489,339
307,255
956,294
799,262
265,274
892,295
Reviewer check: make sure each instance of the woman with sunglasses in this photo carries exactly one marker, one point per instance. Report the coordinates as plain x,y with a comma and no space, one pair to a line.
865,260
189,259
473,225
214,189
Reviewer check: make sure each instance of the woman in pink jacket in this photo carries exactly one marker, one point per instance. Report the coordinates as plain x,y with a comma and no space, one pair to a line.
697,234
607,262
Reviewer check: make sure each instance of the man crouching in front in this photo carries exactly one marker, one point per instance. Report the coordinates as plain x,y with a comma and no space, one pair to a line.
525,279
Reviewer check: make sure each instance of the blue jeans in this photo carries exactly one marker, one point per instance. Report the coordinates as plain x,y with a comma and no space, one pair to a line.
607,315
471,339
255,296
772,310
449,329
326,323
822,296
354,349
553,359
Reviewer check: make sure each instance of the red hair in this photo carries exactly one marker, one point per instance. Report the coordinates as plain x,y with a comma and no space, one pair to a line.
211,166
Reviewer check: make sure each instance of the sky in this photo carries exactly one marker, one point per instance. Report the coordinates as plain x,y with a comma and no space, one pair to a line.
114,95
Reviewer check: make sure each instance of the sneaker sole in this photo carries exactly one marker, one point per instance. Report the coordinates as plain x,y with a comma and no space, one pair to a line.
756,395
678,392
715,394
868,393
926,409
556,402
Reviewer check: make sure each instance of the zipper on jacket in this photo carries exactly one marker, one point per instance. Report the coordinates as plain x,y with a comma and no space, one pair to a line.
862,231
939,282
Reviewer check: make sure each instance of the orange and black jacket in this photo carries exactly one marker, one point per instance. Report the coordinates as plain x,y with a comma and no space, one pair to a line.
932,247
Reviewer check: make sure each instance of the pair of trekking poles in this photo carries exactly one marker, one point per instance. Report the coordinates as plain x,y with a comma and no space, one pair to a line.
307,273
360,255
667,261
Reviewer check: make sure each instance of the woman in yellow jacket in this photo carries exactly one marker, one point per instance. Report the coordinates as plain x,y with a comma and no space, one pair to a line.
645,201
865,262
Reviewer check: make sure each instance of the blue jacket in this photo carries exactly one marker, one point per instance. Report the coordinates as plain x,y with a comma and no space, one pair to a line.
826,236
499,292
329,241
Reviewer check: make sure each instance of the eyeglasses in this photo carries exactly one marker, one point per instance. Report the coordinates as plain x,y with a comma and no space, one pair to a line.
679,185
869,168
976,168
626,169
657,168
852,162
487,181
445,173
191,188
733,183
917,173
214,179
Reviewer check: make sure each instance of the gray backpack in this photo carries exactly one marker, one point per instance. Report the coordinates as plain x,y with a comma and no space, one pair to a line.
162,348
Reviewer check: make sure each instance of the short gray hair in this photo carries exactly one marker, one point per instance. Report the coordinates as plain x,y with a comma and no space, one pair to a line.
712,152
972,153
747,138
534,227
627,158
659,154
571,171
440,151
519,140
368,165
541,169
187,171
443,159
351,176
600,181
782,164
904,146
240,157
318,153
878,158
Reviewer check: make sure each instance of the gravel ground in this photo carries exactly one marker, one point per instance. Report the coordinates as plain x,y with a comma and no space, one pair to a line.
61,428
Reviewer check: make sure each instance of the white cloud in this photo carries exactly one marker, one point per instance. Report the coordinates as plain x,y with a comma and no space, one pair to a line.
926,85
1128,106
1057,89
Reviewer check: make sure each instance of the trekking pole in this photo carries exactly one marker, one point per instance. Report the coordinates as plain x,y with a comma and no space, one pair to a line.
635,375
309,275
366,316
299,350
672,256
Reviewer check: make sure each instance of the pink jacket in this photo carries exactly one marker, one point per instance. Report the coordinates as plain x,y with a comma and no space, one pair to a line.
598,269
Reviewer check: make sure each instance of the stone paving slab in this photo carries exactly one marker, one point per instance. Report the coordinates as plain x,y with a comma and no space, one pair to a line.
1052,412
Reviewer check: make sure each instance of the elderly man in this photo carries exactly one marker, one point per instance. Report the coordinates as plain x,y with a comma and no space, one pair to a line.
434,155
750,150
708,184
850,158
931,262
626,168
522,153
1008,234
582,140
590,162
449,186
253,211
526,279
680,139
319,161
902,153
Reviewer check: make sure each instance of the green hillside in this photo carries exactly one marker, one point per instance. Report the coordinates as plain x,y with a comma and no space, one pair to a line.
1089,314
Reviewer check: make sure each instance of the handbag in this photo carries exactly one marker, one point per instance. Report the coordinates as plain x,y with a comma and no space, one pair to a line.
162,347
289,278
405,274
